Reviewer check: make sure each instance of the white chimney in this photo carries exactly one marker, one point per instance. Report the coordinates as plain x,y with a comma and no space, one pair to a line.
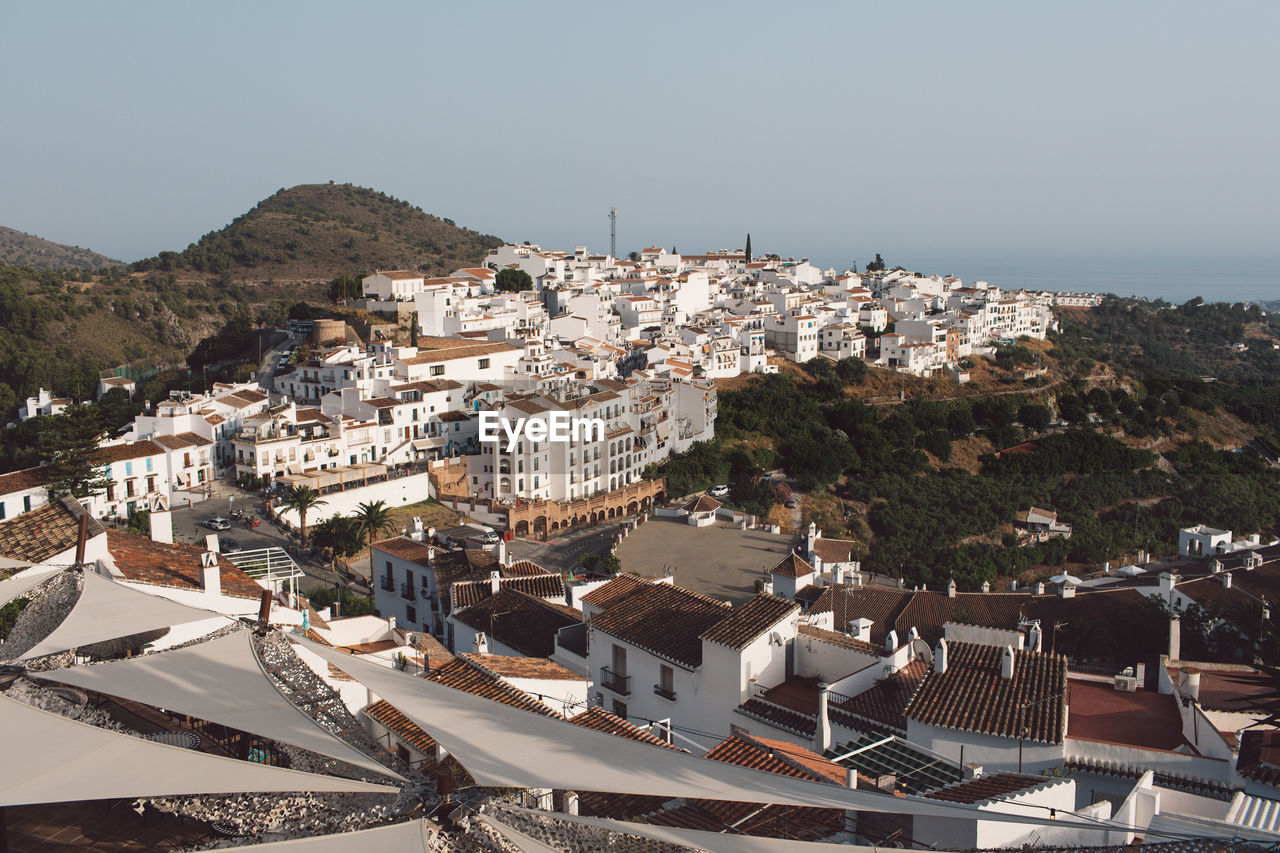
211,543
1039,587
986,586
1035,637
502,551
571,802
940,656
1006,663
951,588
890,642
1226,579
1189,684
1175,638
1067,590
161,526
391,623
822,737
913,634
495,582
860,629
210,573
1013,586
482,643
851,778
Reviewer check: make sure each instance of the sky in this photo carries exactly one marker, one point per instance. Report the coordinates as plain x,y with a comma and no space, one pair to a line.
968,135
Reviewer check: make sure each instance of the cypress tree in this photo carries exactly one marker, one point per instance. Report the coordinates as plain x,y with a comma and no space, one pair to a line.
748,247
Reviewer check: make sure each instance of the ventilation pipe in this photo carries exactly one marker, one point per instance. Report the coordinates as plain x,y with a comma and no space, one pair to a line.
1006,663
940,657
822,737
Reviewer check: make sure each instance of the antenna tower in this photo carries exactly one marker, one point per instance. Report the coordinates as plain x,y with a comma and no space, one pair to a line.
613,232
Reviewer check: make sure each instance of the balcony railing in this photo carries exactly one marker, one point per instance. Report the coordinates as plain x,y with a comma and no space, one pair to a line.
406,592
388,584
664,692
620,684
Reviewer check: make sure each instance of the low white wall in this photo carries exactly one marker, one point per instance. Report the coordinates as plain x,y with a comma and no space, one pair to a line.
667,512
955,632
398,491
1114,755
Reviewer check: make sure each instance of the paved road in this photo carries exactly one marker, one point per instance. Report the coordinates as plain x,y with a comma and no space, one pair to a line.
562,554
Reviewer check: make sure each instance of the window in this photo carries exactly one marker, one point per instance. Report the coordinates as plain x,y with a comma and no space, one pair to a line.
666,682
128,488
484,364
26,503
411,614
128,469
437,370
619,709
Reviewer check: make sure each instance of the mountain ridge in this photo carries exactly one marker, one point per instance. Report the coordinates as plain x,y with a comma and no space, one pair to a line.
21,249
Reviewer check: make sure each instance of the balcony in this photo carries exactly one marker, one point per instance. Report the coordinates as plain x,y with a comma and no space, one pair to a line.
388,584
669,695
620,684
407,593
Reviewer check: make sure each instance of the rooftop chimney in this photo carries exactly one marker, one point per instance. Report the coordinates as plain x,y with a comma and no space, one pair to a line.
160,523
391,623
951,588
1226,579
482,643
986,586
822,737
1039,587
264,607
890,642
1175,638
1189,684
210,573
1035,637
940,656
82,538
1006,663
860,628
495,582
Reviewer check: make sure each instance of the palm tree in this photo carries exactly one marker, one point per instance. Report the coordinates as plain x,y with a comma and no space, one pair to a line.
301,499
373,517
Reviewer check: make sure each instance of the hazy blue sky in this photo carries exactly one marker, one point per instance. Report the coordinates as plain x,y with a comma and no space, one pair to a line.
966,132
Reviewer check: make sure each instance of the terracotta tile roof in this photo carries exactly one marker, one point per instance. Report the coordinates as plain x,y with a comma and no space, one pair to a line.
400,725
784,718
1260,756
129,450
523,568
464,594
844,641
972,696
884,702
833,550
20,481
602,721
775,756
663,619
406,549
747,622
505,666
432,650
994,787
792,566
180,441
143,560
618,589
702,503
459,349
518,621
46,532
847,603
461,674
371,648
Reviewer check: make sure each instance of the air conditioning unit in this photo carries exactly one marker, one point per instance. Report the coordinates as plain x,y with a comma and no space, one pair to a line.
1127,683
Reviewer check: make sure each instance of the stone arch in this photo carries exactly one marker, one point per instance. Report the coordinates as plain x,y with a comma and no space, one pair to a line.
522,528
540,525
633,507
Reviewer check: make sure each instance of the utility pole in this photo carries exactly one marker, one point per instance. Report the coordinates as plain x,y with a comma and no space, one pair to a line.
613,232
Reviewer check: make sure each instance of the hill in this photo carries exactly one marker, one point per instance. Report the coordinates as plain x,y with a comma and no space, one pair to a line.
315,232
27,250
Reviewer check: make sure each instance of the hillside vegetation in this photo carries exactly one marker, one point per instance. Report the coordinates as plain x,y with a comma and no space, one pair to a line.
27,250
315,232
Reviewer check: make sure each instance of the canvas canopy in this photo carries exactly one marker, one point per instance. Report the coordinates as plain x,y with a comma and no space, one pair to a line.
221,681
107,610
505,747
14,587
410,837
1131,571
51,759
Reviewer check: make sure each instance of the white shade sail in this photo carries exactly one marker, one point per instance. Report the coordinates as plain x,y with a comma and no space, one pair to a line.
52,759
108,610
1131,571
410,837
505,747
1065,578
221,681
14,587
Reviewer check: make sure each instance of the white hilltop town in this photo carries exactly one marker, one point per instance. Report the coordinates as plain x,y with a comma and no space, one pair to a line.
163,693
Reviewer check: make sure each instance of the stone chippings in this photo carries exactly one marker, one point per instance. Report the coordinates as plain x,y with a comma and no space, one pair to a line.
579,838
37,696
50,602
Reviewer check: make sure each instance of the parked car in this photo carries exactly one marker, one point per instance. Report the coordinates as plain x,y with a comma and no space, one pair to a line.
229,546
718,491
218,522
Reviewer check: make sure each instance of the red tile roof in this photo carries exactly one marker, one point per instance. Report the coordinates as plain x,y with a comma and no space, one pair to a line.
621,587
46,532
702,503
143,560
663,619
20,481
775,756
983,788
973,696
602,721
833,550
834,638
792,566
461,674
505,666
518,621
748,621
405,549
402,727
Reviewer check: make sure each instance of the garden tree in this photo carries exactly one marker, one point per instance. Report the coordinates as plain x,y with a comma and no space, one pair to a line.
512,280
233,341
589,561
611,565
345,287
1034,416
877,265
340,535
750,491
851,370
302,499
351,604
115,409
634,257
70,443
1072,409
960,421
373,517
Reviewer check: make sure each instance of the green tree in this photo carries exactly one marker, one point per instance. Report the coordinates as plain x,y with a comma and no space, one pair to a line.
1034,416
373,517
511,280
71,445
341,536
611,565
302,499
877,265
